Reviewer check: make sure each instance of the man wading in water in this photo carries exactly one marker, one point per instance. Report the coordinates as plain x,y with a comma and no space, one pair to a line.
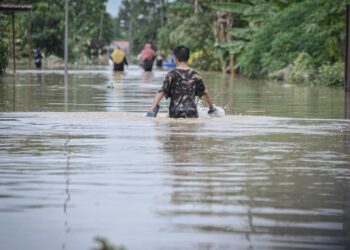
182,84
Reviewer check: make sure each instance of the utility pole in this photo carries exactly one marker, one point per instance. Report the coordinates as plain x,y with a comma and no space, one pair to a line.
347,50
161,13
130,39
66,40
13,42
13,8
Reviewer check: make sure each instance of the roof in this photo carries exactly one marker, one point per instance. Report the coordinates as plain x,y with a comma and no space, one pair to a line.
15,7
124,45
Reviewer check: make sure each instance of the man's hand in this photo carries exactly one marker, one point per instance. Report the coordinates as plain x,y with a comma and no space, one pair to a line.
212,110
154,112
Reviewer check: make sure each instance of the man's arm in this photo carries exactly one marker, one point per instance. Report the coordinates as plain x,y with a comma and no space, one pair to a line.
208,100
159,96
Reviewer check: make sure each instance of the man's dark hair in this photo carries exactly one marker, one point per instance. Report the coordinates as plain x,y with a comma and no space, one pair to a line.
182,53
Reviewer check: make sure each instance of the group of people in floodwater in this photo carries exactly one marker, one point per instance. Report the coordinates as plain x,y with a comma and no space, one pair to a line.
146,58
181,84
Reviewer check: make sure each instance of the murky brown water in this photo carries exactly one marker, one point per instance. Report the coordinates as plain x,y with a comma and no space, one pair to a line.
274,173
88,90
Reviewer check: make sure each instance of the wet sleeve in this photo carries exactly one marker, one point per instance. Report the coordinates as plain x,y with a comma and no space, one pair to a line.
166,88
200,88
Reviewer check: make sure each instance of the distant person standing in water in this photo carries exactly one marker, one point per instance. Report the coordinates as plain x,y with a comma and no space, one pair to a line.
37,57
182,84
159,59
147,57
119,59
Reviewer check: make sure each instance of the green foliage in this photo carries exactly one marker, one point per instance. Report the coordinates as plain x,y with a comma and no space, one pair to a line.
234,47
210,61
44,27
331,75
256,13
267,35
163,37
3,56
303,70
193,30
245,33
140,21
177,13
313,27
47,24
249,17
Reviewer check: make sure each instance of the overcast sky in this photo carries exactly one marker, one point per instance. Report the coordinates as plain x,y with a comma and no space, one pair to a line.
113,7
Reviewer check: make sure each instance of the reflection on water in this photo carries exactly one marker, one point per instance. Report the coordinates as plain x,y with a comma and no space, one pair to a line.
347,105
67,181
234,182
99,89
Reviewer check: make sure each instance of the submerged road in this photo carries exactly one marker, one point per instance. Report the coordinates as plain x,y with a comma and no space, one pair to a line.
92,165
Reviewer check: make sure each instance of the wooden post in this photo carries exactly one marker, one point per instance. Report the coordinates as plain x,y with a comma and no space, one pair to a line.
347,50
232,66
347,105
13,42
66,40
66,92
30,52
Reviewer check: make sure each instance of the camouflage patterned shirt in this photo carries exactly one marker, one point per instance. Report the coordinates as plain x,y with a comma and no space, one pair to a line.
182,86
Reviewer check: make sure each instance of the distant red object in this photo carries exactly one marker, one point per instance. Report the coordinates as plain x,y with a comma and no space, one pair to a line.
123,45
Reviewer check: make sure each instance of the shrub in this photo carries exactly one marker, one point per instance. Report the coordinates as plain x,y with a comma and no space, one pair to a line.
331,75
303,70
314,27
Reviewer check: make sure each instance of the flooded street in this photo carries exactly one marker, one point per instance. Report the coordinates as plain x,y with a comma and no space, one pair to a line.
79,160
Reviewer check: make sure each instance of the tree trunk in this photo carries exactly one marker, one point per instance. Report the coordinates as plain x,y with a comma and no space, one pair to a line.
224,21
196,6
130,40
232,66
101,26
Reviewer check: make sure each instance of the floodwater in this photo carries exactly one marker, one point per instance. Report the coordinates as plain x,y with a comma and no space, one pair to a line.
79,160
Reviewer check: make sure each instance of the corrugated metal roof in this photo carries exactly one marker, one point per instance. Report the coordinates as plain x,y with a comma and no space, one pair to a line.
17,7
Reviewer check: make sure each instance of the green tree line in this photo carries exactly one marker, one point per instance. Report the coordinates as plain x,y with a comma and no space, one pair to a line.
253,37
304,39
90,28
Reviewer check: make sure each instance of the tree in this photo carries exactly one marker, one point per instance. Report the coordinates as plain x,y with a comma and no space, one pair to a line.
139,21
312,27
44,27
191,23
249,16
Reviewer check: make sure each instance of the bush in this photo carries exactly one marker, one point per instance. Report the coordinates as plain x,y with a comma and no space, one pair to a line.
331,75
314,27
3,56
303,70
